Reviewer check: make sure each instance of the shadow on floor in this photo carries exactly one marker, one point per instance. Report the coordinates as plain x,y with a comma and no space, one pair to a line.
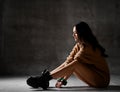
81,88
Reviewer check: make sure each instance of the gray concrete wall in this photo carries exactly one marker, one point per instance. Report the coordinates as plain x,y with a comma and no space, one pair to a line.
37,34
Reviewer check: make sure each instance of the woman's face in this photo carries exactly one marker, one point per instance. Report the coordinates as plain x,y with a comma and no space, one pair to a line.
75,34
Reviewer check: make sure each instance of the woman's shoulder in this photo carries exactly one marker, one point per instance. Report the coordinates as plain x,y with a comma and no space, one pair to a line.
83,47
89,49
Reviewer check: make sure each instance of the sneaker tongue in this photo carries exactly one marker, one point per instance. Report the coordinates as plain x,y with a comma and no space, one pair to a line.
46,75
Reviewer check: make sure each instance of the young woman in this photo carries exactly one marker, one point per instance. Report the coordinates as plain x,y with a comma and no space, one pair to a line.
86,61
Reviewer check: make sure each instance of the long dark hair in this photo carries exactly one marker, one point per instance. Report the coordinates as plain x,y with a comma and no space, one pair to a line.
85,34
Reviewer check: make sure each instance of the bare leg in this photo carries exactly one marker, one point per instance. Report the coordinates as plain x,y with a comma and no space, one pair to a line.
67,70
59,67
91,76
83,71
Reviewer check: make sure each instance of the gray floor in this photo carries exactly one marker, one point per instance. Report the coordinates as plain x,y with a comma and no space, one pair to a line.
18,84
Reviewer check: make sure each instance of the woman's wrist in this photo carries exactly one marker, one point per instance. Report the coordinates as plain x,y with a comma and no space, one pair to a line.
64,82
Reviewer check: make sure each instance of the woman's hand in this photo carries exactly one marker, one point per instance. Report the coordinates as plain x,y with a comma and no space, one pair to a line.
58,84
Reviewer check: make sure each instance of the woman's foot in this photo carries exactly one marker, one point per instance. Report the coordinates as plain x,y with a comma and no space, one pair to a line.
58,85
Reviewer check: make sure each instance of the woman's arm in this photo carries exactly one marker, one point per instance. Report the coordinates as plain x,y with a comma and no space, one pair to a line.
69,58
59,67
72,54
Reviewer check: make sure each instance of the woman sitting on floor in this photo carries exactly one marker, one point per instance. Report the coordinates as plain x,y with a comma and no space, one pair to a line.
86,61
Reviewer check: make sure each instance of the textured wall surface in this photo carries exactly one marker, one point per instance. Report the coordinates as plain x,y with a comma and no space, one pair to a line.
37,34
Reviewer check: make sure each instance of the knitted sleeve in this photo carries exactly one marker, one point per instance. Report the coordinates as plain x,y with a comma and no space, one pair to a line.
88,55
70,58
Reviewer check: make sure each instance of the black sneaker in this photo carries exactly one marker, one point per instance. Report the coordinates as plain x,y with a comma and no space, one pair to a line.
40,81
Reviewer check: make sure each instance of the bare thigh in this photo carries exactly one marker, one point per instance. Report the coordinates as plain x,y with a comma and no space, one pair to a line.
90,75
